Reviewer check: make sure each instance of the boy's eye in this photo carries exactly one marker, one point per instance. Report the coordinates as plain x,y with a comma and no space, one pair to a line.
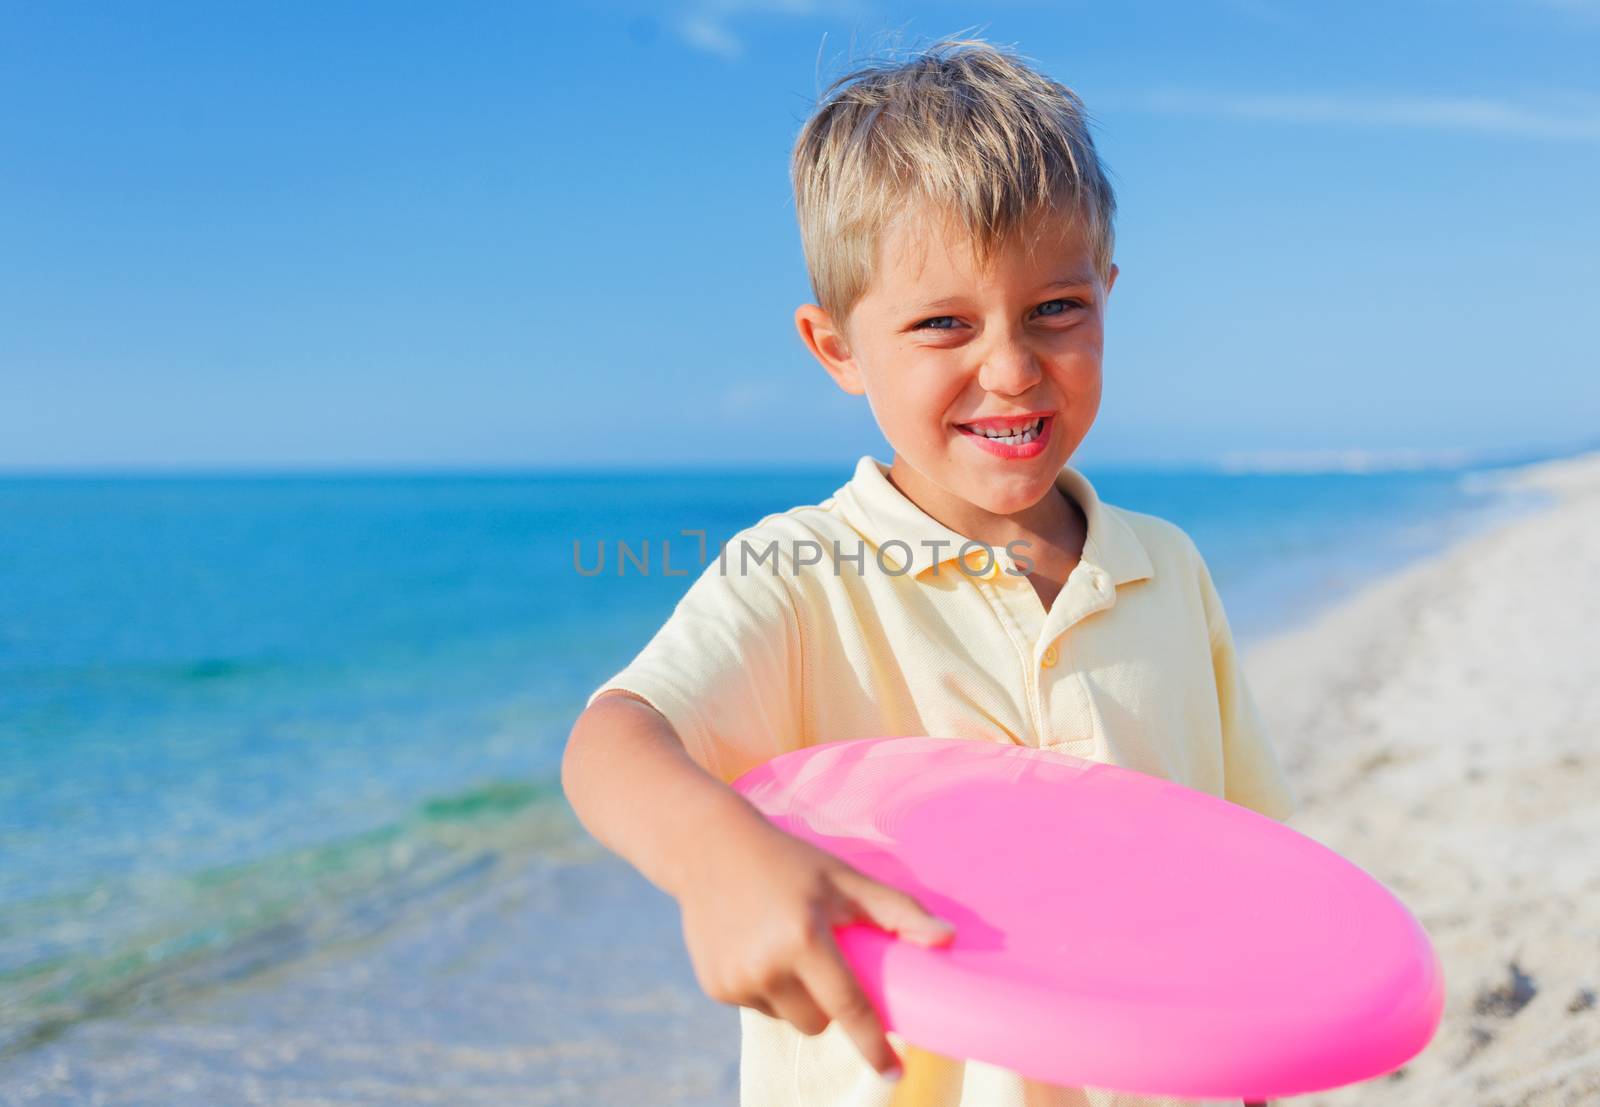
1048,307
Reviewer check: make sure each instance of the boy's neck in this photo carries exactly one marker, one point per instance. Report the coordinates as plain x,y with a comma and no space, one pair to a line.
1053,529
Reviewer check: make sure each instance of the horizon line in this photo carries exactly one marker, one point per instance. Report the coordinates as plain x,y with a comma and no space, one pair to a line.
1257,462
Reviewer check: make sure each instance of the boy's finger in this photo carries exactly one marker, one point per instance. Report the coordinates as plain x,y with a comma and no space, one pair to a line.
840,995
792,1002
895,911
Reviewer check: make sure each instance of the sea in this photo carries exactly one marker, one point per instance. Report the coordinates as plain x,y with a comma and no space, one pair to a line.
269,744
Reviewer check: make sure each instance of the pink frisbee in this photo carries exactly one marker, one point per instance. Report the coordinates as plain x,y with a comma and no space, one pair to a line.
1114,930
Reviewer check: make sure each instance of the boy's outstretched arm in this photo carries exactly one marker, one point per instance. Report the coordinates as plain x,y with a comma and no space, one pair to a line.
758,904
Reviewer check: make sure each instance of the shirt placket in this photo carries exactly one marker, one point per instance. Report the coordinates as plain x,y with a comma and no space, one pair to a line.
1088,589
1040,635
1022,616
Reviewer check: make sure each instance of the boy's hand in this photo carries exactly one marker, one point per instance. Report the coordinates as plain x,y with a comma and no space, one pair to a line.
759,909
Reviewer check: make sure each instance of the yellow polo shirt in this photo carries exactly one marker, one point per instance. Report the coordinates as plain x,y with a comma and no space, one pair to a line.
863,616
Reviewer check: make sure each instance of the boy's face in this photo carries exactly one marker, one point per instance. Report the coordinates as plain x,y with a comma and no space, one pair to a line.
944,352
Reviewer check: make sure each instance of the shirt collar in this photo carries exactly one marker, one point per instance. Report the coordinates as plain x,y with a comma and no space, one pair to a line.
909,537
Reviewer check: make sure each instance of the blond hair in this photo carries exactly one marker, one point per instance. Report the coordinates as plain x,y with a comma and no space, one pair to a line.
964,127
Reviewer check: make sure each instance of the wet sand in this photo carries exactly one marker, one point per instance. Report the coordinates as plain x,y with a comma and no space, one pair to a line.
1442,728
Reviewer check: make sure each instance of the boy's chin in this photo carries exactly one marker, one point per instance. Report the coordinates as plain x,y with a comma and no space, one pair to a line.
1005,496
995,492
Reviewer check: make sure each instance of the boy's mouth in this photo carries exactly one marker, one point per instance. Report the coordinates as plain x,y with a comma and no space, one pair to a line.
1009,436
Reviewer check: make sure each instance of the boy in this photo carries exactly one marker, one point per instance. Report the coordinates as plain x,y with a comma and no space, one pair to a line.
957,227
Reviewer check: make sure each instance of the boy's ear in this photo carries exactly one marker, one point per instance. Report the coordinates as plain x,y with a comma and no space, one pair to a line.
1111,277
827,344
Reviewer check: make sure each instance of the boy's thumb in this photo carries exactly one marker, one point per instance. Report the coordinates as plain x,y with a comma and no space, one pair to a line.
899,913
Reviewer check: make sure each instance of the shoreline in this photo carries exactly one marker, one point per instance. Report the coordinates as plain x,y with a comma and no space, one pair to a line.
1390,706
1439,728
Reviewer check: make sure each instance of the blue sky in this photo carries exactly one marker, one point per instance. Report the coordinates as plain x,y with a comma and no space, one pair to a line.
320,235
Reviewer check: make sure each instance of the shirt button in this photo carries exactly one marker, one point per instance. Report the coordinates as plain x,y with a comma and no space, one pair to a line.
982,565
1050,657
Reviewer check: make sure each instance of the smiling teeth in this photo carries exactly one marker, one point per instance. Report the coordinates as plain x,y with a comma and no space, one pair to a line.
1019,435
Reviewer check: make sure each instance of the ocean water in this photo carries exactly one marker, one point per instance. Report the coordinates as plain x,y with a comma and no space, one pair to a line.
246,721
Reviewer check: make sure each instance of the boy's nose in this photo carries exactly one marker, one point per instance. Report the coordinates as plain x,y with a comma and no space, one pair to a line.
1009,369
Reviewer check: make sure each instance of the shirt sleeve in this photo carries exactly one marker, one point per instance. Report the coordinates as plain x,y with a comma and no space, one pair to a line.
1252,775
724,669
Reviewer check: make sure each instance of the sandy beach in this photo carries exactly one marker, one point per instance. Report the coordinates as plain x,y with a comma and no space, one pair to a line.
1440,727
1438,724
